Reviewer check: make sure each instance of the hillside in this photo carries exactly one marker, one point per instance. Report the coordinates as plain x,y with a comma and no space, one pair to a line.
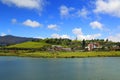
29,44
9,40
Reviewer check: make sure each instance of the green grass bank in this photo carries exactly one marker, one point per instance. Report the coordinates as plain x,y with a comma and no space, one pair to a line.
64,54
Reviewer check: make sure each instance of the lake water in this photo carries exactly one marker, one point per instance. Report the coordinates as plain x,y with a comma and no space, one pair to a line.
17,68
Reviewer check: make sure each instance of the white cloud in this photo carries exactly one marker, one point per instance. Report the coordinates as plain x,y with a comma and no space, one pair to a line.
39,37
82,13
3,34
55,36
9,31
79,34
111,7
96,24
14,21
115,38
31,23
88,37
30,4
65,36
77,31
60,36
53,26
65,11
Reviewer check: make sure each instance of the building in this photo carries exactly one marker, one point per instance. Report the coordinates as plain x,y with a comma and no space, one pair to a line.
60,48
91,46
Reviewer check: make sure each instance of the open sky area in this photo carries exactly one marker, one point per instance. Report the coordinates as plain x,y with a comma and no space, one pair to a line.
84,19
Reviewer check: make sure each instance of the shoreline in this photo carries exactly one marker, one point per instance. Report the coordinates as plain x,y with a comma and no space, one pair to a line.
64,54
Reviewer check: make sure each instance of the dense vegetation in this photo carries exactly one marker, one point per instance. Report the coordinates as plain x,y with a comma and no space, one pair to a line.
46,44
61,48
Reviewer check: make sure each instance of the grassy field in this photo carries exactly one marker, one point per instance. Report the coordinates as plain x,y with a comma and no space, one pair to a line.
29,45
64,54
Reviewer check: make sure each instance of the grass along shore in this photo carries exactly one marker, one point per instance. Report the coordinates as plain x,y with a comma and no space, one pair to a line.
65,54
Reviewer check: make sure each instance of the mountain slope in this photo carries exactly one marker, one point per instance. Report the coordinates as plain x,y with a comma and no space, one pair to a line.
9,40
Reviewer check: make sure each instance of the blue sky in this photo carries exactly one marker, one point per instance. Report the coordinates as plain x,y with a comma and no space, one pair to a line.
84,19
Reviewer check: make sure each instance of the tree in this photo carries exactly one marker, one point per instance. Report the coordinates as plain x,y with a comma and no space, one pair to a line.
107,40
83,43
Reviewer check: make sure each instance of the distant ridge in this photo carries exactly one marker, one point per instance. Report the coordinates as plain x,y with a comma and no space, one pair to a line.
10,39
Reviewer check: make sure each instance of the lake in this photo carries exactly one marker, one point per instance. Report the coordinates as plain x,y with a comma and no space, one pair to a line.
17,68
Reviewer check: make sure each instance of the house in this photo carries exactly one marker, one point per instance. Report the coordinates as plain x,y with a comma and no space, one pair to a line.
66,49
116,47
60,48
91,46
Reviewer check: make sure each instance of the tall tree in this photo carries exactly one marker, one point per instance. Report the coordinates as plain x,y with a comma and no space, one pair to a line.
83,43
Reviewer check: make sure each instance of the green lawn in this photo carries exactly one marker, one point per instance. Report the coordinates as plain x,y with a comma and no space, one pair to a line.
29,45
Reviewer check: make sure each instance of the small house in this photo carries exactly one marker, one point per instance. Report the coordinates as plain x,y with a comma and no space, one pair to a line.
60,48
91,46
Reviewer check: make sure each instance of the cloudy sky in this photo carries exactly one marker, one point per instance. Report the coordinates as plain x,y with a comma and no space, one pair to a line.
84,19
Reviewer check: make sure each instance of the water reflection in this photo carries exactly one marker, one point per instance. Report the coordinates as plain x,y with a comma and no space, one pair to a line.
14,68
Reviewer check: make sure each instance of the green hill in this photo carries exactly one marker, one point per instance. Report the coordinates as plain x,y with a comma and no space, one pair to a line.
29,44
